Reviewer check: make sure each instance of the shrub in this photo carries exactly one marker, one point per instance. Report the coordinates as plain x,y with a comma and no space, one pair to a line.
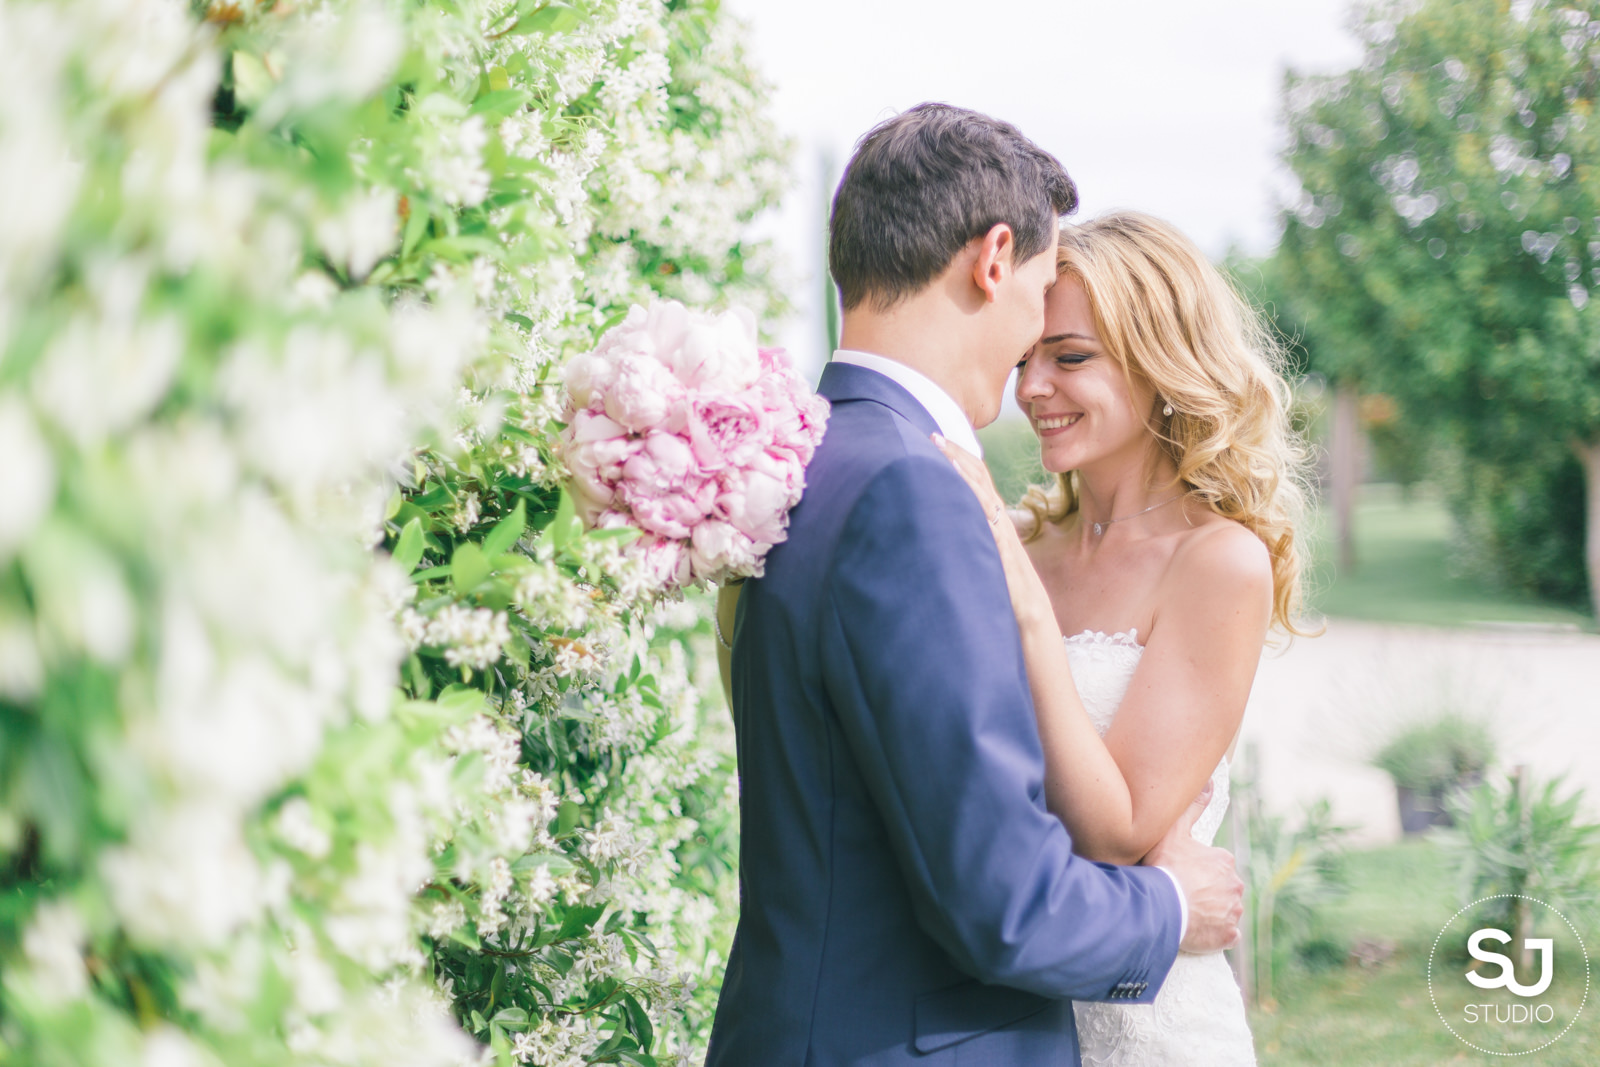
1434,755
1516,835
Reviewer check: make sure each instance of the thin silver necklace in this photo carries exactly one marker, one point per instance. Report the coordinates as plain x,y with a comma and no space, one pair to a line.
1100,527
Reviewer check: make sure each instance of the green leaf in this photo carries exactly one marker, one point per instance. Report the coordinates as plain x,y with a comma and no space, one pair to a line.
468,567
506,531
442,571
418,677
618,533
251,79
514,1018
416,227
501,102
549,18
557,863
566,527
462,249
567,820
579,921
639,1021
462,700
517,650
408,549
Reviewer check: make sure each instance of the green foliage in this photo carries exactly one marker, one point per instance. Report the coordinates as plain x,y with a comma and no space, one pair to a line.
1436,754
1520,836
327,734
1292,874
1521,525
1443,243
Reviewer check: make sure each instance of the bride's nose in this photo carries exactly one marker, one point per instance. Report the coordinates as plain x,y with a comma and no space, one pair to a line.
1032,383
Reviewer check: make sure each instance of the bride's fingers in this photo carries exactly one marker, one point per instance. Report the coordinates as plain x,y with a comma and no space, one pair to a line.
968,466
961,459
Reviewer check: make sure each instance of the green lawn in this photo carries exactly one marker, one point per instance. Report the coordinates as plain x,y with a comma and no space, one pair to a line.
1382,1015
1403,572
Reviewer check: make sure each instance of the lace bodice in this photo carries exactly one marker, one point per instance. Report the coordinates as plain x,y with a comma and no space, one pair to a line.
1102,667
1198,1018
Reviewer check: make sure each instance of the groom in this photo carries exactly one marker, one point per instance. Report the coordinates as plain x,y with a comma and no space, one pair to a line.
905,896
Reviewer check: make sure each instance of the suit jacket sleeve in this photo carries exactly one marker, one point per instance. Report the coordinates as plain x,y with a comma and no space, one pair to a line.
923,664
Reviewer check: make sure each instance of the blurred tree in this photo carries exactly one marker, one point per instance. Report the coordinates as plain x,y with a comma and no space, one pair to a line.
1442,245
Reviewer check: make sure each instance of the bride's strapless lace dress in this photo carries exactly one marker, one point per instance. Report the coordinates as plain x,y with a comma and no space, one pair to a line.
1198,1017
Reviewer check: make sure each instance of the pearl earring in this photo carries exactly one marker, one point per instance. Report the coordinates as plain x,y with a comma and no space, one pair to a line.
1167,411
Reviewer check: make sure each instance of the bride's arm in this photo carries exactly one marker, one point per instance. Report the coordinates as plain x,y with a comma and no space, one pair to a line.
1118,796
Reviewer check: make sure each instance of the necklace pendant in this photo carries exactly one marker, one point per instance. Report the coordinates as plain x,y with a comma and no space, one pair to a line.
1099,529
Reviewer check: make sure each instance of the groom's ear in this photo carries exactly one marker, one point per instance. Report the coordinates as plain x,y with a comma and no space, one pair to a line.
995,260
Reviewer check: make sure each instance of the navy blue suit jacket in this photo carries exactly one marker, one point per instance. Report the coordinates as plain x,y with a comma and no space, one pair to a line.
905,896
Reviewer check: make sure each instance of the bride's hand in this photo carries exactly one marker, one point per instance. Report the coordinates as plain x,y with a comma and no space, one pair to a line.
1028,597
978,479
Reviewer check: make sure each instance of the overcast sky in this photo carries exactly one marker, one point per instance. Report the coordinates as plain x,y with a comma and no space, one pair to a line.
1168,106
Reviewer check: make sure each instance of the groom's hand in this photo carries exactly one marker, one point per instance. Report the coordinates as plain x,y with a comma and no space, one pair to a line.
1210,883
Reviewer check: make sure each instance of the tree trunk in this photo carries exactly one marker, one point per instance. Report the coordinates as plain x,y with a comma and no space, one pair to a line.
1344,469
828,173
1522,914
1589,456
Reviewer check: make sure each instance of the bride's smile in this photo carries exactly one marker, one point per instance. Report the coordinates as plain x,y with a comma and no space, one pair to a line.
1050,426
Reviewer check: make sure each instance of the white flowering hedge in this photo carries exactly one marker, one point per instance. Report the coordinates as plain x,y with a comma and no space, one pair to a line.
326,734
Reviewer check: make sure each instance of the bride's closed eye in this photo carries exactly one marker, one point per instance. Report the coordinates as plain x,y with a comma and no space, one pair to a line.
1062,359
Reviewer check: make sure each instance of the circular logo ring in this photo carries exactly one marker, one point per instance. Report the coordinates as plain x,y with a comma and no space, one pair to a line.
1583,951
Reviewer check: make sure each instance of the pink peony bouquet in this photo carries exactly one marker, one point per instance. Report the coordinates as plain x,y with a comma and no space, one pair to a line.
680,426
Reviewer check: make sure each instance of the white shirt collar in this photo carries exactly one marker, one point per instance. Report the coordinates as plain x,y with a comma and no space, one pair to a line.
947,414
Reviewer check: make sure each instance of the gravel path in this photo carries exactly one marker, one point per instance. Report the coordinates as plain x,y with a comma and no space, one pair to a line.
1323,705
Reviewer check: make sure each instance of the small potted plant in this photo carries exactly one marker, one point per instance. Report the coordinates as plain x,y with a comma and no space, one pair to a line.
1431,760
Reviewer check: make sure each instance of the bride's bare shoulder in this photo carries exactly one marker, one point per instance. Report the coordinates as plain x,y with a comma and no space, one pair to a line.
1220,555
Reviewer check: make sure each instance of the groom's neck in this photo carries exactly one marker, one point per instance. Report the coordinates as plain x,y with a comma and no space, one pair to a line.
918,334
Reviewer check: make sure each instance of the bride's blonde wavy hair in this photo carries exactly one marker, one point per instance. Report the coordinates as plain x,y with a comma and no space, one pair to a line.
1171,319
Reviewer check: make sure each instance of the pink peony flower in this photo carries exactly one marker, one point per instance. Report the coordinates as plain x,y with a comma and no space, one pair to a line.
717,549
757,501
670,514
662,463
681,427
591,493
613,454
728,431
642,393
586,376
665,560
585,426
719,354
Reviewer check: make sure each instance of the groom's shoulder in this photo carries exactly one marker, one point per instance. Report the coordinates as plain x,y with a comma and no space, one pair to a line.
865,437
870,449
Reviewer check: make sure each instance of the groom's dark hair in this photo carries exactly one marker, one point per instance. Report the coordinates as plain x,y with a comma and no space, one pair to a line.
923,184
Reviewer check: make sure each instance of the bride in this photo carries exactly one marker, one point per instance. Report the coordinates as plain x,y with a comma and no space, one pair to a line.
1166,549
